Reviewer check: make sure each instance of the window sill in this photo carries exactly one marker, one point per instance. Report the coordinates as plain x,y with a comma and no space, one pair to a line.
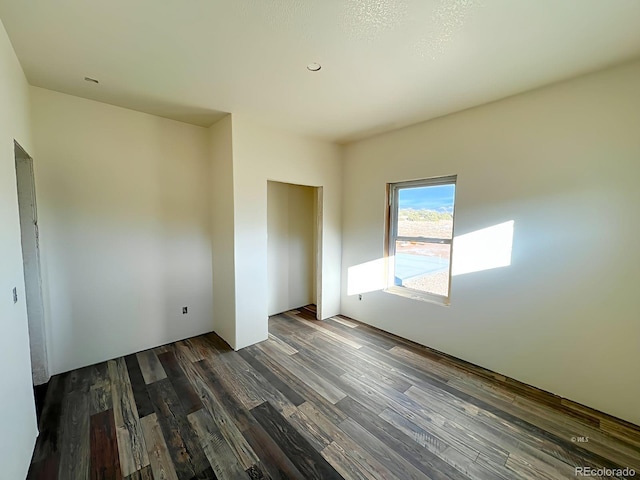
418,295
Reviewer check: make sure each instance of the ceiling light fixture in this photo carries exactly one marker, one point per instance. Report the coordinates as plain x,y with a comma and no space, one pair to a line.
314,67
92,80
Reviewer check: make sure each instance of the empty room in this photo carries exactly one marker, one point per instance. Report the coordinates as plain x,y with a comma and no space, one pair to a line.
359,239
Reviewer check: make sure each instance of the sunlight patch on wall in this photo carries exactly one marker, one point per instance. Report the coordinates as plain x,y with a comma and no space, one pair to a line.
483,249
366,277
476,251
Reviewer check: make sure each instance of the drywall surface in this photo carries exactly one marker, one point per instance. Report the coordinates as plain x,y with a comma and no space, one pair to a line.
562,164
261,154
291,218
124,228
222,226
17,407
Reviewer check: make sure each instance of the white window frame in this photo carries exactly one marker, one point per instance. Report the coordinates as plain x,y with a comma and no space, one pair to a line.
393,190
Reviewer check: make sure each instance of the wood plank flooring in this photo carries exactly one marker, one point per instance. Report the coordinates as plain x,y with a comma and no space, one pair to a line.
317,400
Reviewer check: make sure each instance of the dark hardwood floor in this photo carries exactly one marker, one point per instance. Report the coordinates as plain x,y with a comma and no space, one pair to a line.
318,400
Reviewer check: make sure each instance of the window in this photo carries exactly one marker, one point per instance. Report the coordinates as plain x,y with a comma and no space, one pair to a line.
420,234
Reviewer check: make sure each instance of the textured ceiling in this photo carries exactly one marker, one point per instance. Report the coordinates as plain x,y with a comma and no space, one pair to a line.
385,63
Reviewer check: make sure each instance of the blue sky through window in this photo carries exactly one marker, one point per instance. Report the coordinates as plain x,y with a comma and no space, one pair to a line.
437,197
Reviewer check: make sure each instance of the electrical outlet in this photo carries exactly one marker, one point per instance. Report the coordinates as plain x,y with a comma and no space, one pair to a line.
15,294
184,310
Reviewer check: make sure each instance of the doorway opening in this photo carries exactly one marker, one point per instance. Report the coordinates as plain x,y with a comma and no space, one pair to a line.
294,246
30,240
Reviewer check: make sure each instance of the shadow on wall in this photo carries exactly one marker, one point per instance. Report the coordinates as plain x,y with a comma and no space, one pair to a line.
477,251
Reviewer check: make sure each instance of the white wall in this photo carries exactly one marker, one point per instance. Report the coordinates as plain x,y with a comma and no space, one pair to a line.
291,219
125,228
260,154
222,227
17,410
561,162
